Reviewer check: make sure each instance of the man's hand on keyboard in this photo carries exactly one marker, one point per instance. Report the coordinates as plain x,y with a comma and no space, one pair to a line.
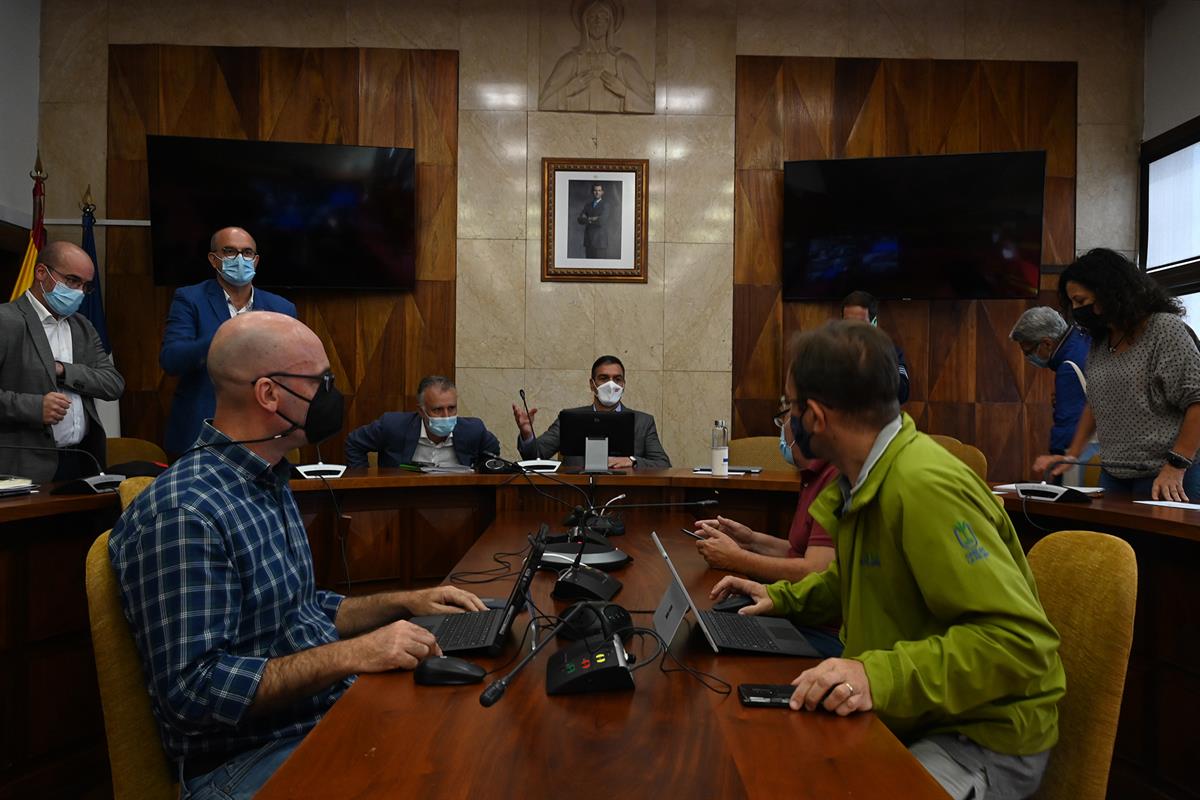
442,600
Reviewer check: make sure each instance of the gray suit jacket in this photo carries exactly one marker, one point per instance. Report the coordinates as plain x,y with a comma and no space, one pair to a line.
646,446
27,375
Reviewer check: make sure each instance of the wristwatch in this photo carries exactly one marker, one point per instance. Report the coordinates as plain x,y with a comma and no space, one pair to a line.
633,460
1177,461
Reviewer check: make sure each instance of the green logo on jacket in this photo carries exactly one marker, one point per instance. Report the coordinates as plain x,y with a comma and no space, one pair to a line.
968,541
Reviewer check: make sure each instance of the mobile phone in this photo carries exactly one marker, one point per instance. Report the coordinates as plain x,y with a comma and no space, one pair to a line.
765,695
692,534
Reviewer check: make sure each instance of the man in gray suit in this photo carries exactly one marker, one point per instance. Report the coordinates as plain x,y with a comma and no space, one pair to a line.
52,367
608,386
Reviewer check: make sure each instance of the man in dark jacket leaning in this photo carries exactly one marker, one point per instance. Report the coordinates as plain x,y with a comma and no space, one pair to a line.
434,434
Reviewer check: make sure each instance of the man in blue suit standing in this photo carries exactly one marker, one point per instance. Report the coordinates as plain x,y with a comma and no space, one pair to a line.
196,313
433,434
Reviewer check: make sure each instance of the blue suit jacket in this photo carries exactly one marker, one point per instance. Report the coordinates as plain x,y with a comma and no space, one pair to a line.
196,313
394,436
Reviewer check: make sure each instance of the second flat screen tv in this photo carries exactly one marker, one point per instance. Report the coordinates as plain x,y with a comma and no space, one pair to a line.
322,215
960,226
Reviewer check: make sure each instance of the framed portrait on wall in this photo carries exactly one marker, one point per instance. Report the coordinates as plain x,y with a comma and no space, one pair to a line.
594,219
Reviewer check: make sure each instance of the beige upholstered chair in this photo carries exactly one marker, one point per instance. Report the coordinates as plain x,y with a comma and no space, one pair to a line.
140,769
124,448
756,451
1088,585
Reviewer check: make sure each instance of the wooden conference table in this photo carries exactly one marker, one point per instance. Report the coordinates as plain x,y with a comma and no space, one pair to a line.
389,737
403,529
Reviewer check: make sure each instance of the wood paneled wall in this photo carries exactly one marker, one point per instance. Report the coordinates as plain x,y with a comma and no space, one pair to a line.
379,343
968,380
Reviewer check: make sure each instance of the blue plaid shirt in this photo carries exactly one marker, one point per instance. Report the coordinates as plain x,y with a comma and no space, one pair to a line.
216,577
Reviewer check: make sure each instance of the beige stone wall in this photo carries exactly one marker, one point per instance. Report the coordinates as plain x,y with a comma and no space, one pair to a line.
674,333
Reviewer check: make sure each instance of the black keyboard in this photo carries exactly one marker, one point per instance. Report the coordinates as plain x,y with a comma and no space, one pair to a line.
467,631
734,630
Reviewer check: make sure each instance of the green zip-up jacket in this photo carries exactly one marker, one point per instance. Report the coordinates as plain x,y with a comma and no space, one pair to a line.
937,602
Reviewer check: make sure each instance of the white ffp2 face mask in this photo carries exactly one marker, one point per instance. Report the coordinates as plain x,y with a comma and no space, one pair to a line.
610,393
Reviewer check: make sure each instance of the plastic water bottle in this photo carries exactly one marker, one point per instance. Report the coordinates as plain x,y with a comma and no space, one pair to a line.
720,448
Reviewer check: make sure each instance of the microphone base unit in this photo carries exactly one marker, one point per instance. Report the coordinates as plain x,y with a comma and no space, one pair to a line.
603,557
584,668
1048,492
321,470
97,484
540,465
581,582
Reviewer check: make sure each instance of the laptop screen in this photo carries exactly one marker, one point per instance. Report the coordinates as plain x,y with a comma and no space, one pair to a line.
675,604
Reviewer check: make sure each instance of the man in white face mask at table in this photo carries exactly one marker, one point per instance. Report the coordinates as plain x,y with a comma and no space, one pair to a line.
608,388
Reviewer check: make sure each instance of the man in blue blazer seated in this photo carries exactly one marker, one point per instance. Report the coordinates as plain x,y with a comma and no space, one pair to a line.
433,434
196,313
608,387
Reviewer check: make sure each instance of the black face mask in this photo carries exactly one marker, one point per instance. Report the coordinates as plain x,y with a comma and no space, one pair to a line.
802,437
1092,322
325,408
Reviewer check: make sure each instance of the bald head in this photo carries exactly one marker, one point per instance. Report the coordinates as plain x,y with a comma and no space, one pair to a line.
234,237
260,343
68,259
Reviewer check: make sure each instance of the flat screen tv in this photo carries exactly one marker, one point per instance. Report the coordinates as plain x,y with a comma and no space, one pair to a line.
322,215
960,226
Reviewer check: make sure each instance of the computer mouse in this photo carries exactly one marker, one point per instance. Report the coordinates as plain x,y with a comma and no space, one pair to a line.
498,603
732,603
447,671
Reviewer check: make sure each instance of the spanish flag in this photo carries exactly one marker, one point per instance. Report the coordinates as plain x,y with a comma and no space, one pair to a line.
37,233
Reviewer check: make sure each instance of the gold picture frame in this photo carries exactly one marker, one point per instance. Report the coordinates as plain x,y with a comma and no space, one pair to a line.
594,219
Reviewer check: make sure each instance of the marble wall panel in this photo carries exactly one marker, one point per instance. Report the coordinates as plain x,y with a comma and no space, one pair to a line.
72,144
906,28
74,60
493,54
701,43
793,27
1021,30
691,401
560,318
1106,189
698,307
491,174
629,317
699,179
264,23
403,24
489,394
1111,38
490,303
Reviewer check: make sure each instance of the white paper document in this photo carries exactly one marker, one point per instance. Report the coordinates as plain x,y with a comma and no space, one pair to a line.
1169,504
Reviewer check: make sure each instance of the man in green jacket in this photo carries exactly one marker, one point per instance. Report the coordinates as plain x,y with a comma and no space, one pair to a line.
945,636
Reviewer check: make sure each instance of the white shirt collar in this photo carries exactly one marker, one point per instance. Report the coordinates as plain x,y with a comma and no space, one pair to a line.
43,313
249,303
882,440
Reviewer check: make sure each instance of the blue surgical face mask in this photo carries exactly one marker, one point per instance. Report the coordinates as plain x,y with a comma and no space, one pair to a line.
1036,360
62,299
238,269
785,449
441,426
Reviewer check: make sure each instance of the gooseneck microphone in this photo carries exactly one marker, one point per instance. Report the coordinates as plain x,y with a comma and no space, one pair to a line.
496,689
96,484
526,405
1098,463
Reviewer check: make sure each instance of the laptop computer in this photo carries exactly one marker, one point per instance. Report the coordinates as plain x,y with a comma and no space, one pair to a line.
726,632
485,630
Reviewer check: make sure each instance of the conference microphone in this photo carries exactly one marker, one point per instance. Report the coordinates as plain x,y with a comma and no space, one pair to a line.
496,689
612,526
96,484
536,464
1066,494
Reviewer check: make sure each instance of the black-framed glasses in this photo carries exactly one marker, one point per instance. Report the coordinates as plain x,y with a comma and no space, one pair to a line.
73,281
230,252
325,377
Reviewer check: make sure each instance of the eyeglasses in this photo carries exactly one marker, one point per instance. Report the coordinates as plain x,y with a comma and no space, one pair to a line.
73,281
785,411
230,252
325,377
